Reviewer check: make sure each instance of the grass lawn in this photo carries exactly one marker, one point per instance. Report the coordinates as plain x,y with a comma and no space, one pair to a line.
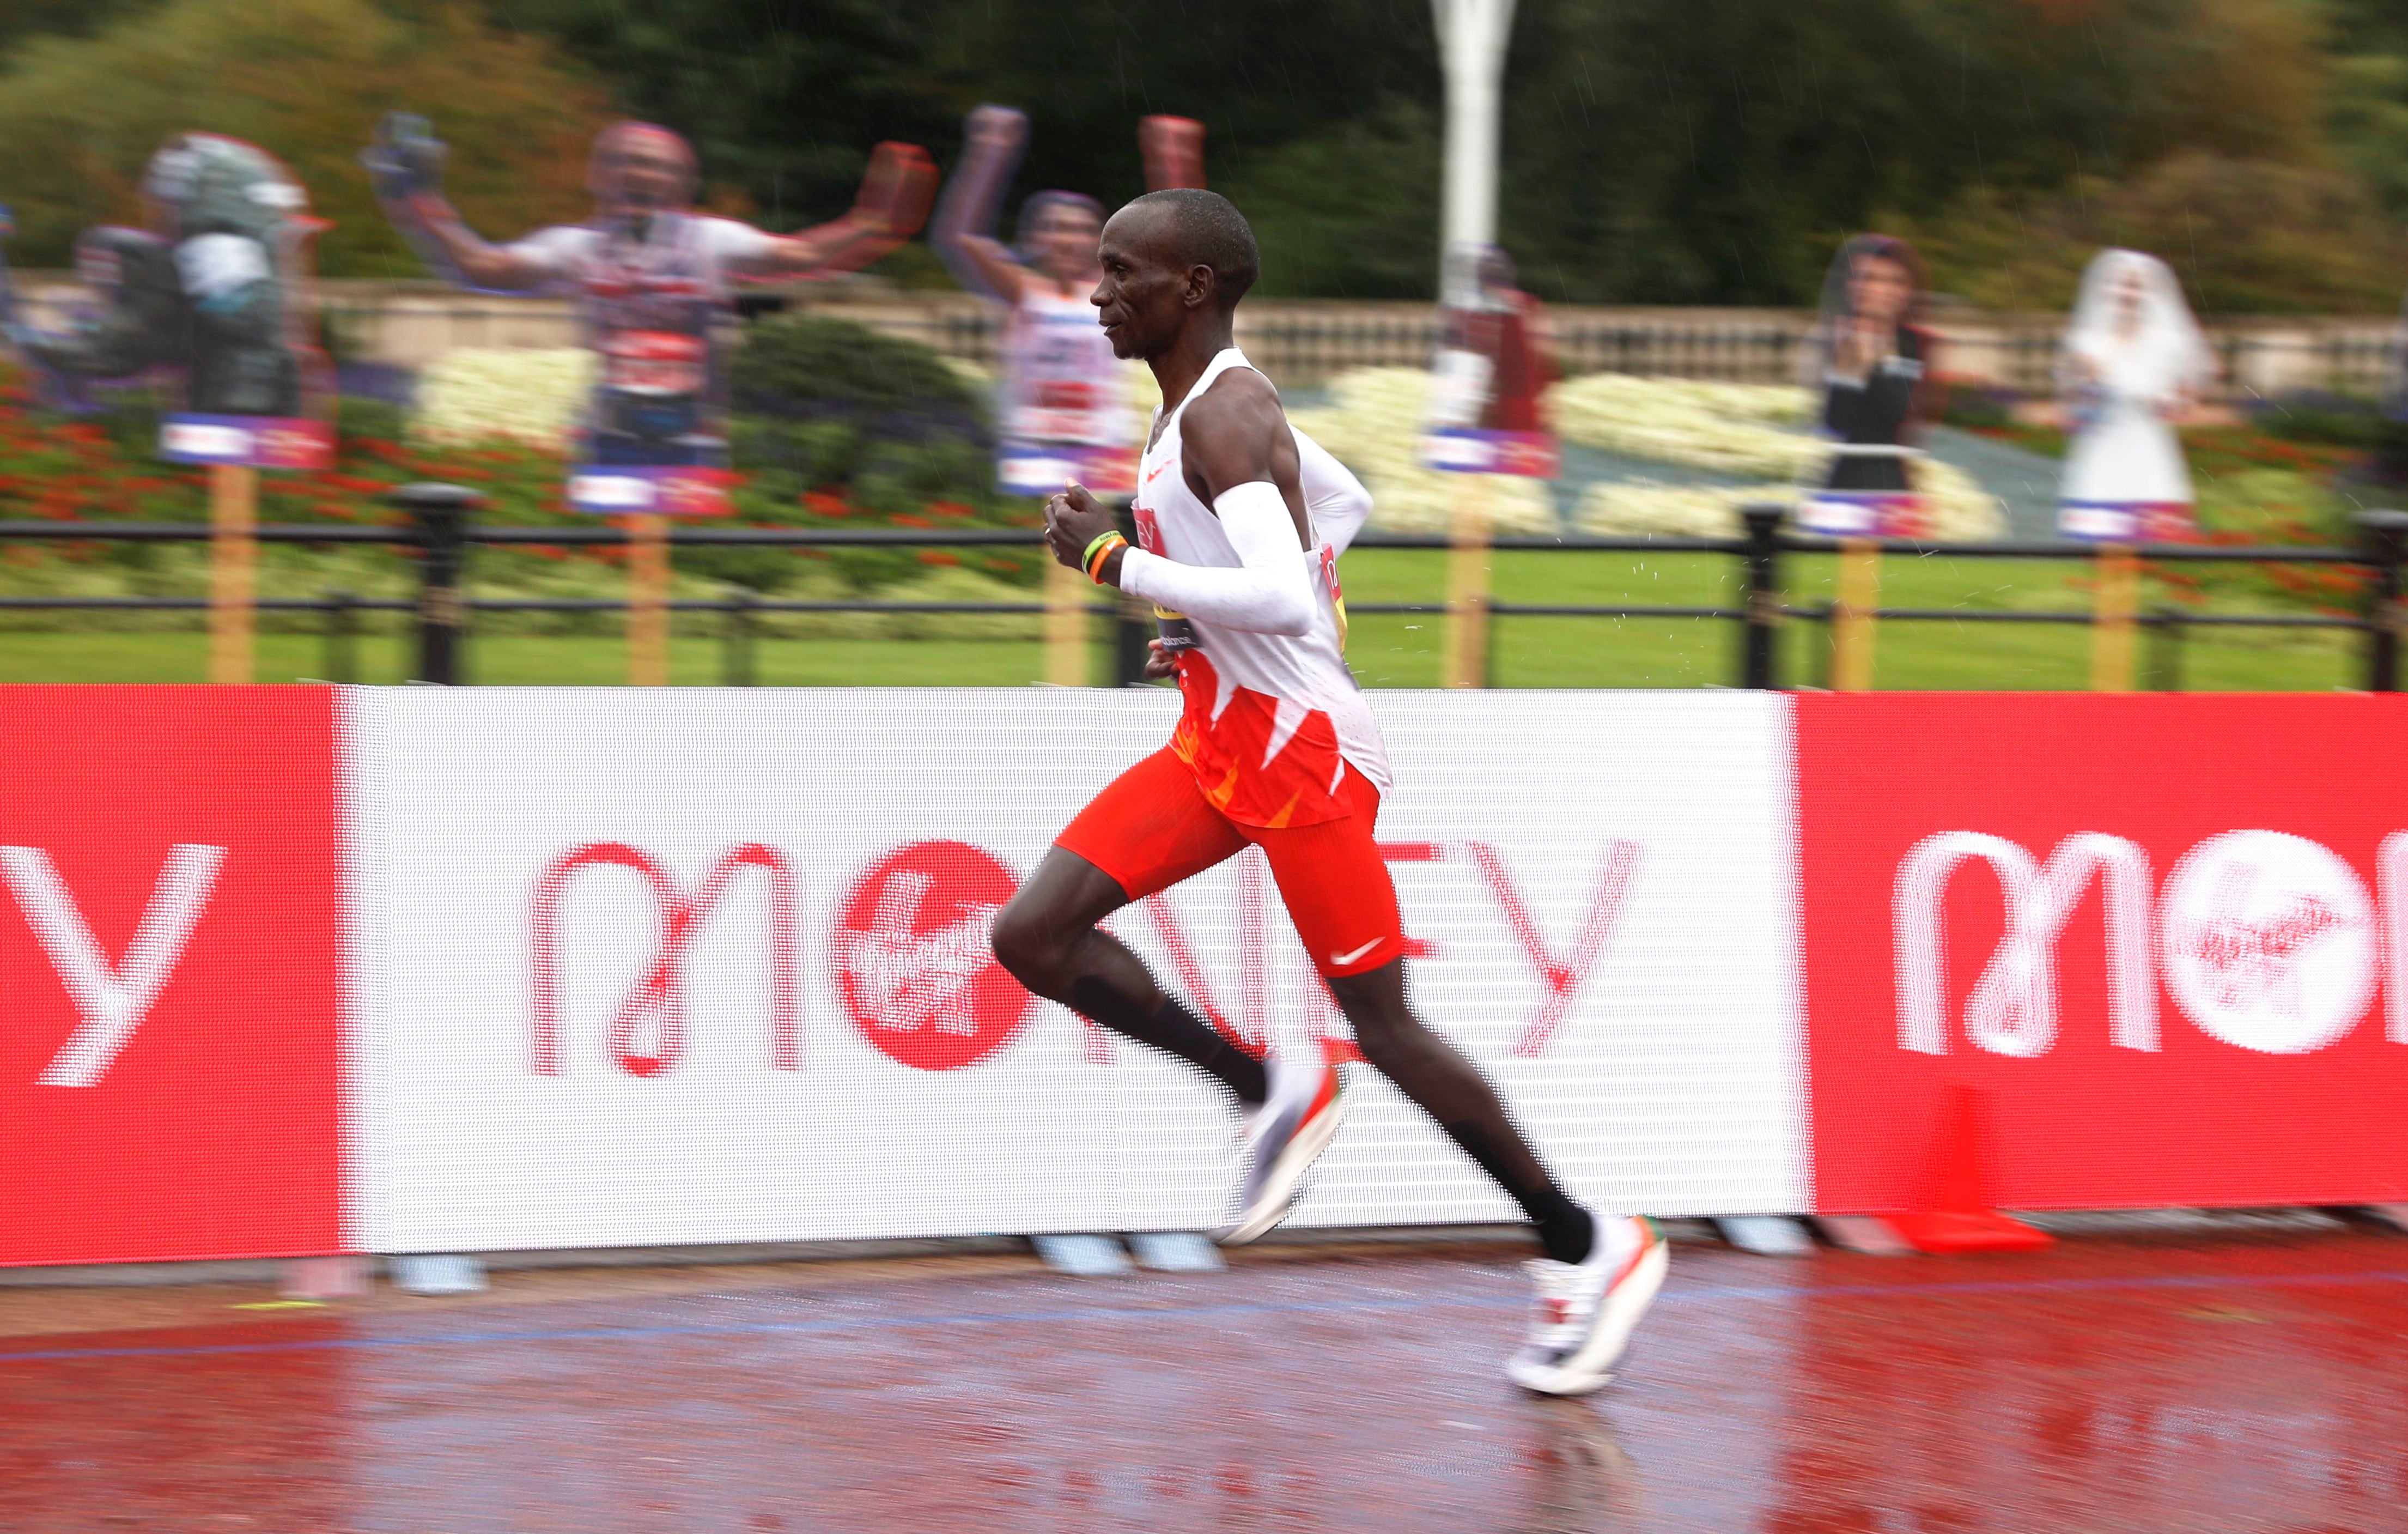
1386,650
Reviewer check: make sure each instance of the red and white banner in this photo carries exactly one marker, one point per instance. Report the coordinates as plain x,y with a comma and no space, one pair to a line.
290,970
695,965
2163,935
170,974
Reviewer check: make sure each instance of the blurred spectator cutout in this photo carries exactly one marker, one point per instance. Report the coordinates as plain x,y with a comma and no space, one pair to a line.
218,288
1494,358
650,275
1065,407
2134,362
1878,371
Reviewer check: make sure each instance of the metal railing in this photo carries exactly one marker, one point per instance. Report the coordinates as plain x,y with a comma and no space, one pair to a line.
439,530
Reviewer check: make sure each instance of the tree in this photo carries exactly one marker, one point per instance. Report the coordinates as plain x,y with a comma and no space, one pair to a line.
305,80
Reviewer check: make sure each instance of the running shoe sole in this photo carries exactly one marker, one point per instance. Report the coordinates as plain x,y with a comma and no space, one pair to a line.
1592,1366
1271,1205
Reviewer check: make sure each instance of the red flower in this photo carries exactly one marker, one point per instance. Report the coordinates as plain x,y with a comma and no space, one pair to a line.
821,503
950,509
939,556
904,519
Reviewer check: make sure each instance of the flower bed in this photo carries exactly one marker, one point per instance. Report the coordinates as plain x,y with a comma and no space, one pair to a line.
1373,421
496,421
476,394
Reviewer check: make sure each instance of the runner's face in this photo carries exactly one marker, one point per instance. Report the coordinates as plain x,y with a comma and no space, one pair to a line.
1066,242
1879,288
1139,299
2131,299
650,175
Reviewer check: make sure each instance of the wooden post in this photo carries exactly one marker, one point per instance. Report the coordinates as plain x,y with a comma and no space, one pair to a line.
1852,615
1066,624
647,596
1465,660
2113,646
234,569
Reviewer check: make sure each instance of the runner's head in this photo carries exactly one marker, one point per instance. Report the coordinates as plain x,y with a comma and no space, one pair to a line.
1171,259
641,167
1058,232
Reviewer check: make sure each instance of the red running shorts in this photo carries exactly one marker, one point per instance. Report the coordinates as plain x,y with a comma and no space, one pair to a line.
1153,827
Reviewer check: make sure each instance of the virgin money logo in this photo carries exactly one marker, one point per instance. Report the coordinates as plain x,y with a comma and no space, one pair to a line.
112,998
2269,942
647,1033
915,960
2265,940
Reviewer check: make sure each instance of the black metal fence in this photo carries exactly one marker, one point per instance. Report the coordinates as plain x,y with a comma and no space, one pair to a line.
439,530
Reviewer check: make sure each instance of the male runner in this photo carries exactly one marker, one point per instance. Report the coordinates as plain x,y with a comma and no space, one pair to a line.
1241,520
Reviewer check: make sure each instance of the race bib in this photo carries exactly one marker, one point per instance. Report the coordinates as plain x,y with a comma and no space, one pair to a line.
654,362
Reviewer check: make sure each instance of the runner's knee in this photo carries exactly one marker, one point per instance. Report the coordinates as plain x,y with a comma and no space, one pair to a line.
1021,944
1386,1035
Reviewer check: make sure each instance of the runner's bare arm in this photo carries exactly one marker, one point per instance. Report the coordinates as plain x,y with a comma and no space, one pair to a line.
961,233
1241,460
486,265
405,161
1236,434
891,206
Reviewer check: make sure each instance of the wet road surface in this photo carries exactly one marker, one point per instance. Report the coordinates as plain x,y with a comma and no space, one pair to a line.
2203,1384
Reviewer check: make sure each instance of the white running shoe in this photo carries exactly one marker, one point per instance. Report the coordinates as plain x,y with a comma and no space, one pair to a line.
1584,1312
1292,1126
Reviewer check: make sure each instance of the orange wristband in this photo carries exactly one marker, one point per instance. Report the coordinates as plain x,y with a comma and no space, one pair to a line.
1109,542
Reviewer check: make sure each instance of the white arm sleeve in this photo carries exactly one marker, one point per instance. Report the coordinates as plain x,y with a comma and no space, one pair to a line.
1270,594
1336,500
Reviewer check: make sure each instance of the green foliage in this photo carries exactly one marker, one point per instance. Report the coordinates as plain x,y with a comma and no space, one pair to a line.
2245,236
305,80
812,366
1655,150
2366,106
23,19
835,423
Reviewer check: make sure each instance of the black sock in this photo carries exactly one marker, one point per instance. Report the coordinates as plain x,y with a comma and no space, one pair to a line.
1172,1028
1566,1230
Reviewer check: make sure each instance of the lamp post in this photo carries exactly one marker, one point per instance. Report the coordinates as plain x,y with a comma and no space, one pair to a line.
1471,49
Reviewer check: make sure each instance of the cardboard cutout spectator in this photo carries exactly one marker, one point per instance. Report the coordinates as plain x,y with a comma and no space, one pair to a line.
652,277
219,287
1495,359
1874,363
2134,360
1065,407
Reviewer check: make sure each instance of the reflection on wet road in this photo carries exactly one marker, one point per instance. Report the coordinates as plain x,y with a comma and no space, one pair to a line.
2209,1384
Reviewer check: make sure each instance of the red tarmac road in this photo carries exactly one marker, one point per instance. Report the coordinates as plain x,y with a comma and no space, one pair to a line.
2205,1383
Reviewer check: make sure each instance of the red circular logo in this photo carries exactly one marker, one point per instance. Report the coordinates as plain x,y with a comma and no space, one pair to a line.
915,956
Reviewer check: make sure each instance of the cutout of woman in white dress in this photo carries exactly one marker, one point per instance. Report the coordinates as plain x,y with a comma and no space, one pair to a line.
2134,363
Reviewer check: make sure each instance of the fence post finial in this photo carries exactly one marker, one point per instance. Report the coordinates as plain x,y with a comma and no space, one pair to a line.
1763,614
441,513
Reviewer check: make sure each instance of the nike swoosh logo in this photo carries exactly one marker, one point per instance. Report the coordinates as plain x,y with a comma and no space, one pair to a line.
1350,958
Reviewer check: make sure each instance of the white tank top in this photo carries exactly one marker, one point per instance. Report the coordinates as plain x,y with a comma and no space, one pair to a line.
1273,721
1061,379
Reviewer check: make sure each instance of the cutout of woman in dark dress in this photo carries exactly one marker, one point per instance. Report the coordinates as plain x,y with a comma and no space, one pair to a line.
1874,362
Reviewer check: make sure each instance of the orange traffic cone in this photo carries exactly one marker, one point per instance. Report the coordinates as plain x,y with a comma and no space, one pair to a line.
1953,1210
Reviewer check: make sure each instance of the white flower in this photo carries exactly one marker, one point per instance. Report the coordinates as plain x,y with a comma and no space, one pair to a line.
1374,418
1373,425
478,393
